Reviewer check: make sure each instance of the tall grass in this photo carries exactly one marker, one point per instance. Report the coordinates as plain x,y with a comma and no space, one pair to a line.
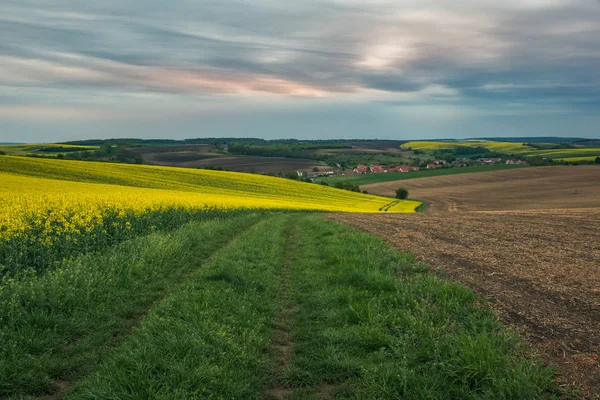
372,324
58,325
210,339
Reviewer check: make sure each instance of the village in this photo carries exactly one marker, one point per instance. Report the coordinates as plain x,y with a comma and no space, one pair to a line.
384,169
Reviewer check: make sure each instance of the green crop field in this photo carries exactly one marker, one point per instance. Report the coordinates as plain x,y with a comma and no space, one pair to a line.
365,179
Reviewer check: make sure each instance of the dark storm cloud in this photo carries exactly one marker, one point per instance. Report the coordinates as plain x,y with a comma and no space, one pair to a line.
136,57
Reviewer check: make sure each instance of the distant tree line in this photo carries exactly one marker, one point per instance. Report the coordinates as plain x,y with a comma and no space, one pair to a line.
549,146
213,141
469,152
107,152
281,150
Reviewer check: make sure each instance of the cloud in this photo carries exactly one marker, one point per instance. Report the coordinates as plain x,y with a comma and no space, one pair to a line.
481,54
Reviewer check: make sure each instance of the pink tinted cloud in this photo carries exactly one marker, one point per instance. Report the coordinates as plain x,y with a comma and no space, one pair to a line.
51,112
65,68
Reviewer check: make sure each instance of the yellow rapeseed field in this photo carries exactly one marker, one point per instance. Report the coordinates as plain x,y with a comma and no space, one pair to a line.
576,159
511,148
500,147
53,208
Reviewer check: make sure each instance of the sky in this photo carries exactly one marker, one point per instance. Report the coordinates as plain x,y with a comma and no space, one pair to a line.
310,69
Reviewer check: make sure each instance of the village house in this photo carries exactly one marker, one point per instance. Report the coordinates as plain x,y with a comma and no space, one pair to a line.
378,169
489,161
361,169
407,168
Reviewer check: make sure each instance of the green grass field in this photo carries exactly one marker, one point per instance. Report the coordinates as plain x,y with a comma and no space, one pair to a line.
255,306
366,179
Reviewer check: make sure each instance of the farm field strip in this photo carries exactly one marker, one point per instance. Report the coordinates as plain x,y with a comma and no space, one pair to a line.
51,209
501,147
57,326
517,189
298,307
199,181
366,179
509,148
255,164
539,269
371,323
575,159
21,149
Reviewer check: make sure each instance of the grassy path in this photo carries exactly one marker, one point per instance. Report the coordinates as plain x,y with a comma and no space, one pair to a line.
372,324
210,339
291,307
282,344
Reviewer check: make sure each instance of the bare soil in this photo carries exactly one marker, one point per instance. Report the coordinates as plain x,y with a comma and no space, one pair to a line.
207,156
195,148
513,189
528,240
252,164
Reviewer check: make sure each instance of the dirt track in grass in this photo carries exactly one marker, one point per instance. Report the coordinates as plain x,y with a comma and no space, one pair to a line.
527,240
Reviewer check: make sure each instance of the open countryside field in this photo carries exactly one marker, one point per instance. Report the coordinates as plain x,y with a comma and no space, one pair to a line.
253,164
123,281
509,148
390,147
273,307
217,188
366,179
50,208
515,189
43,149
205,156
527,240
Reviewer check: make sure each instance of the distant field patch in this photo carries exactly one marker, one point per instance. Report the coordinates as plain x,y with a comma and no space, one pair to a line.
366,179
566,153
576,159
24,149
508,148
254,164
500,147
206,156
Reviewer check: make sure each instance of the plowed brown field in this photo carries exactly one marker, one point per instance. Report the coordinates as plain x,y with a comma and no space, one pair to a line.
513,189
534,253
